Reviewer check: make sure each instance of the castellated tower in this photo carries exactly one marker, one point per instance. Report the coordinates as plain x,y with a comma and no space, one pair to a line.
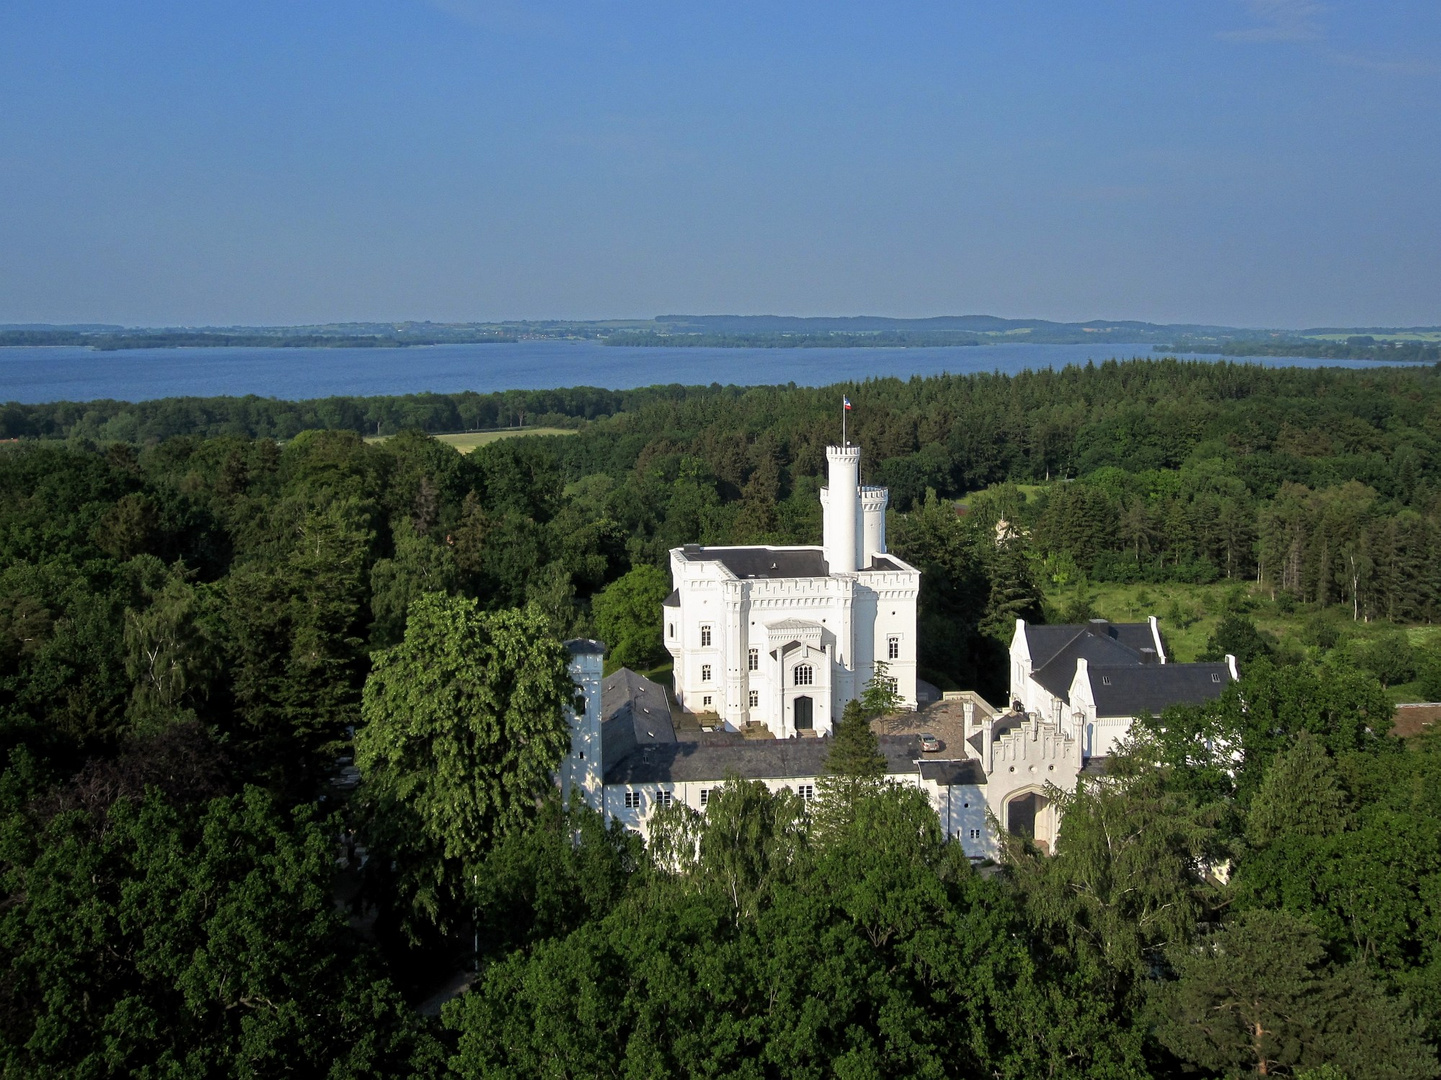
782,637
841,508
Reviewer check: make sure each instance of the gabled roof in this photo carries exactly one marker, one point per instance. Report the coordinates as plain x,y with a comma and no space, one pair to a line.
716,759
1044,642
1054,650
634,712
1060,670
1127,691
673,600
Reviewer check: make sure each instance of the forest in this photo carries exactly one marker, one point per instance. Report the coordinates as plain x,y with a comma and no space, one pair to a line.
279,708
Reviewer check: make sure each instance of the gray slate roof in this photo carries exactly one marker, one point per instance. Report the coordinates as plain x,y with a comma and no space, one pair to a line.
953,773
763,562
1147,689
1060,670
750,759
634,713
1045,642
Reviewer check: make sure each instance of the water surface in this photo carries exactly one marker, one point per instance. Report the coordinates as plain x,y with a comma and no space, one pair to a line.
77,374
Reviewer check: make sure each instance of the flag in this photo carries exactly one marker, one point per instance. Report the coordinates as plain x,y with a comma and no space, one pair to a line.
847,401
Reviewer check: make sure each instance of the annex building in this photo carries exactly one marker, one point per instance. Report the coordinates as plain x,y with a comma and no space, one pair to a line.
1075,690
783,637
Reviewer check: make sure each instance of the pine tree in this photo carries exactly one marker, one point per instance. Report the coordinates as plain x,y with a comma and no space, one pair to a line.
1299,796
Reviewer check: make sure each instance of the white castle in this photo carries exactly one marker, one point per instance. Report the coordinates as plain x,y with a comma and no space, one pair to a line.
785,636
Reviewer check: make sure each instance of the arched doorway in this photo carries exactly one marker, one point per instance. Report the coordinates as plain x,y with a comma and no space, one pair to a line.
1021,814
804,714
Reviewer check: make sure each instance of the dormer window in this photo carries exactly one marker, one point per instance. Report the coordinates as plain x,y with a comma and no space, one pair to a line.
1105,680
1215,677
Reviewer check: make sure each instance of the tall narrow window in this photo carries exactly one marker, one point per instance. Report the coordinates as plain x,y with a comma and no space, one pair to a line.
804,675
705,636
670,629
753,660
755,699
893,647
705,673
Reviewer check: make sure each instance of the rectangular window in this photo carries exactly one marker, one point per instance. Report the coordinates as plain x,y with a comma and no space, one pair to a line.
893,647
1105,680
753,660
807,792
755,698
705,636
975,834
705,673
634,800
705,700
704,796
665,799
1215,677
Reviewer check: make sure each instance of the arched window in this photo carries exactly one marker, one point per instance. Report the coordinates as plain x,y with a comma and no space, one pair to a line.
805,675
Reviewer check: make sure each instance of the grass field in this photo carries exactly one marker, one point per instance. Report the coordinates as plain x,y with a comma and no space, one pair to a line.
466,441
1189,613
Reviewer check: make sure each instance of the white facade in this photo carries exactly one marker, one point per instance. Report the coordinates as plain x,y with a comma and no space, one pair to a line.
785,636
582,778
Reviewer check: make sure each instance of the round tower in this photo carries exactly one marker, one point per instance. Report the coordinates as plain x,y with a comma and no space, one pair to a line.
842,509
873,522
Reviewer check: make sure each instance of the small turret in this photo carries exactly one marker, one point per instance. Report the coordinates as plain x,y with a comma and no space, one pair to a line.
580,772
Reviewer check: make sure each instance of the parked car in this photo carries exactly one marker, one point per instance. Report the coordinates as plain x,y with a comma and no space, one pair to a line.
929,743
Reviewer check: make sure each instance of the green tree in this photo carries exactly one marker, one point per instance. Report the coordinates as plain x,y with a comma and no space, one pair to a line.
1259,998
464,726
1300,796
1237,635
419,565
1126,880
1428,670
628,615
880,697
149,941
173,650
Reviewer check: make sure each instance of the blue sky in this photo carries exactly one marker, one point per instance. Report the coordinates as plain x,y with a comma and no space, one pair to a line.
1250,162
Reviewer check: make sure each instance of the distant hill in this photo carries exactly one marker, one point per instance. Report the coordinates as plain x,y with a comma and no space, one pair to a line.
752,331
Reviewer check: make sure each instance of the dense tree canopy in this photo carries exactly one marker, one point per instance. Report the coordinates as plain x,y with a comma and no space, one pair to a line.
210,611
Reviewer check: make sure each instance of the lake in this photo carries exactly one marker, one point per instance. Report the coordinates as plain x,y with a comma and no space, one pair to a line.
32,375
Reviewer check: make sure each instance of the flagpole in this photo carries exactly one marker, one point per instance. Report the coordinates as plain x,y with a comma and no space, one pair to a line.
844,444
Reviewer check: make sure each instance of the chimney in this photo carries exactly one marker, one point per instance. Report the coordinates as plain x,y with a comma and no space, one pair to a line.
1148,656
968,718
1156,637
1231,666
1099,627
